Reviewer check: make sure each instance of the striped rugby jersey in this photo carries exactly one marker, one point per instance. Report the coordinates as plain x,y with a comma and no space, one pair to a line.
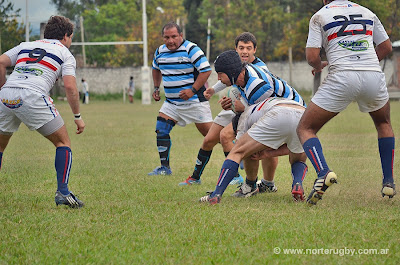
348,32
38,64
262,84
179,69
257,61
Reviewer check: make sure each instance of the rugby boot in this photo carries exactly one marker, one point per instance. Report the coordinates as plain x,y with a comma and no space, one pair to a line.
70,200
320,187
388,189
298,192
212,200
245,191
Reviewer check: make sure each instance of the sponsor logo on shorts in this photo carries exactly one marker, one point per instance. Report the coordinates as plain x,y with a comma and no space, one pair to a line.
355,46
27,70
12,103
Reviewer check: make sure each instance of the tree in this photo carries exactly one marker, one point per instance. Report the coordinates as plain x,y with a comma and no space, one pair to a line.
119,21
195,31
11,33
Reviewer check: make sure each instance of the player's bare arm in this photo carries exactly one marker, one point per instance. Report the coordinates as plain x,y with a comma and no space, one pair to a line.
157,76
200,81
72,94
314,59
383,49
208,93
281,151
4,63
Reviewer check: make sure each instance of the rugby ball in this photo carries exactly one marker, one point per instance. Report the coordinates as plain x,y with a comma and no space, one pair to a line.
234,94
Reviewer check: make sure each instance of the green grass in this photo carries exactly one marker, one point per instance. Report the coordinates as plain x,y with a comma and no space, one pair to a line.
131,218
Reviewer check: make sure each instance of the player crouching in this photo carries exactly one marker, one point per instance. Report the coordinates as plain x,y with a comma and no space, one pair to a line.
267,129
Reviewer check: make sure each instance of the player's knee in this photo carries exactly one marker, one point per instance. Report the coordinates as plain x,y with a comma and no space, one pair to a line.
210,140
163,126
226,136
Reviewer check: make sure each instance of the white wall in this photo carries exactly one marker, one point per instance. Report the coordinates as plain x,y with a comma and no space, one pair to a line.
113,80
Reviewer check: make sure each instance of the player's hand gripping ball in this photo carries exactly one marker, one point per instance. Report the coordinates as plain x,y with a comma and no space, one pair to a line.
237,99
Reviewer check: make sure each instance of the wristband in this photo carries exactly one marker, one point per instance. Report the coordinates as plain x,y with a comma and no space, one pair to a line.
77,117
156,88
193,90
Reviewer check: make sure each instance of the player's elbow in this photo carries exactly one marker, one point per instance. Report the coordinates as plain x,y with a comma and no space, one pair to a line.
383,49
312,56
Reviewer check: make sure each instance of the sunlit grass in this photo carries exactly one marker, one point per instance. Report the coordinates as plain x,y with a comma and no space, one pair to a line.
131,218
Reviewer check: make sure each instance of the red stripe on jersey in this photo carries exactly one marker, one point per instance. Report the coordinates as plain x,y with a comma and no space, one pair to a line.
47,64
353,32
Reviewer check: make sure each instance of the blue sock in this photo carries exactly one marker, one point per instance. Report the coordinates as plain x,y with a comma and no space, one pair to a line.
164,147
299,171
386,151
1,158
228,172
313,149
63,167
202,159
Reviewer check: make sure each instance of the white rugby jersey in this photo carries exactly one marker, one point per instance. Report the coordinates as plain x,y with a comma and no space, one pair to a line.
347,31
38,64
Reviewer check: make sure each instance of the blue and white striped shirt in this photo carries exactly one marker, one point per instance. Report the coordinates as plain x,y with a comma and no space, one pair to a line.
262,84
179,69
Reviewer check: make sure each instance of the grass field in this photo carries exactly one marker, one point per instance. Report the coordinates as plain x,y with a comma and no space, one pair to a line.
131,218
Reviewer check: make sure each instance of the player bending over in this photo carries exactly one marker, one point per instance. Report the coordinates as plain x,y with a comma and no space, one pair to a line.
267,126
25,96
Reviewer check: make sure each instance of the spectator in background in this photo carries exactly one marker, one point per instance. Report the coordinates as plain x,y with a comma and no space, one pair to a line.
85,92
131,89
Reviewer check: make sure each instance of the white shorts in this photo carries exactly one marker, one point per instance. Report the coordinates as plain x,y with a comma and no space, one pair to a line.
131,92
339,89
23,105
224,117
277,127
198,112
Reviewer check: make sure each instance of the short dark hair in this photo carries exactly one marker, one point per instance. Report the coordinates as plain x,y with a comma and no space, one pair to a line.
246,37
57,27
171,25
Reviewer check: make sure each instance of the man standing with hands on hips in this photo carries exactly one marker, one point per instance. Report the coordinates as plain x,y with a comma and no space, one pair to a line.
184,69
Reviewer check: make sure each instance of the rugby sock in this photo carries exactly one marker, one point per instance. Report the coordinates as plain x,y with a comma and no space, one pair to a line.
1,157
228,172
164,147
251,183
313,149
268,183
63,166
386,151
241,164
299,171
202,159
